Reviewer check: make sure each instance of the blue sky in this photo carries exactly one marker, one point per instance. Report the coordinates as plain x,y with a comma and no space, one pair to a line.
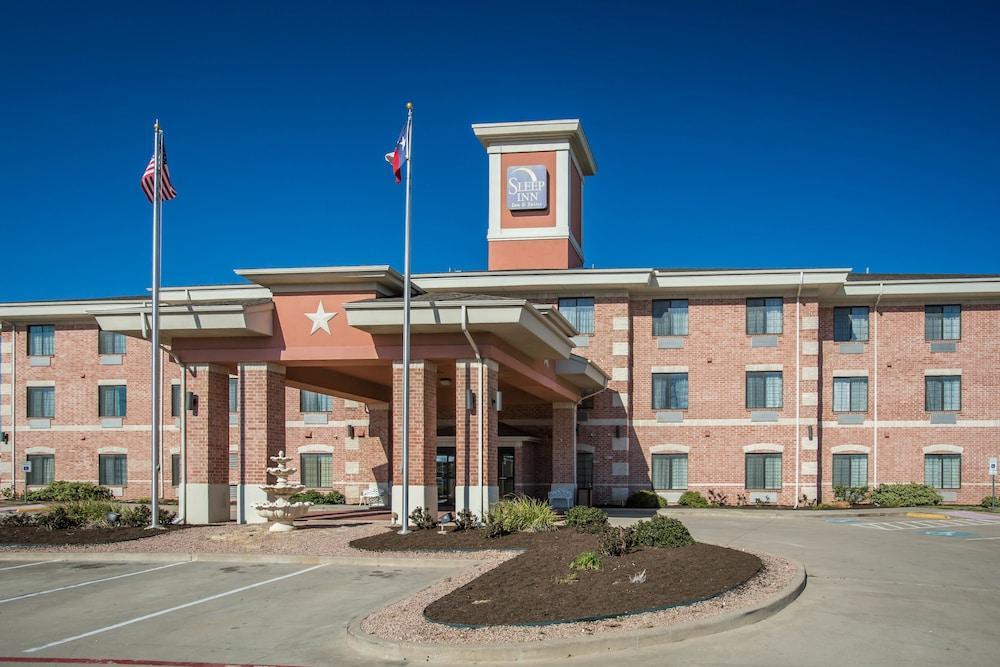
745,134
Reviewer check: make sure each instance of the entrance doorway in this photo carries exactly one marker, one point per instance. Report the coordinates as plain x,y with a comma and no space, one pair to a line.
584,477
506,472
446,477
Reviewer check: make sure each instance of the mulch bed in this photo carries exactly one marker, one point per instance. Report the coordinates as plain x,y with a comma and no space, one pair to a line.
31,535
533,588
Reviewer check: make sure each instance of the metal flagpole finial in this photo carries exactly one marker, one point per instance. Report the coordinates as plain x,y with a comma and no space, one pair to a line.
409,105
156,124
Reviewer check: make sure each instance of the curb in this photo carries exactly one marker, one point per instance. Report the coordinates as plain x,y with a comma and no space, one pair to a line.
132,557
778,514
559,649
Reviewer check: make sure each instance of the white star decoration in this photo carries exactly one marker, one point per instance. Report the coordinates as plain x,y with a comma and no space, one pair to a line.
320,319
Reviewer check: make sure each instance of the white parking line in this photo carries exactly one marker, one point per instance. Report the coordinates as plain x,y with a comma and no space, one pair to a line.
973,539
146,617
41,562
924,523
88,583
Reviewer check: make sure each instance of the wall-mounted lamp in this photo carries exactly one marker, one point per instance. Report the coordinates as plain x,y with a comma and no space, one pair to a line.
470,400
192,401
809,431
445,382
350,430
498,400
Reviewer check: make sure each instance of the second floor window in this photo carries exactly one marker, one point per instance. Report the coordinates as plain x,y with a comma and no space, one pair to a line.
764,316
175,400
41,402
311,401
110,342
670,317
111,400
670,391
942,393
850,394
234,394
850,323
942,322
764,390
41,340
580,313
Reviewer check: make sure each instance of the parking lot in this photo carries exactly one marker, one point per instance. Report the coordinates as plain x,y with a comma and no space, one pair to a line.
917,594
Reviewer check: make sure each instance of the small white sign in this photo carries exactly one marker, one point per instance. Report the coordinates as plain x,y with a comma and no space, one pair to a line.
26,466
993,466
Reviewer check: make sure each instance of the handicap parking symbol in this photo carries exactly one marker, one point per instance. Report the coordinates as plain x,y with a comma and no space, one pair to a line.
947,533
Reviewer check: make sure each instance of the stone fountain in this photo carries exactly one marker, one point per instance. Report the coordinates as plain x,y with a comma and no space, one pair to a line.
278,510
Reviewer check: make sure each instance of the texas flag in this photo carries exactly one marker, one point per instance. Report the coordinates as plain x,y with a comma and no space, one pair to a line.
401,153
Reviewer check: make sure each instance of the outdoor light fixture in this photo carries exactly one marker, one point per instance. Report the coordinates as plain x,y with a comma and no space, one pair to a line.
112,518
192,401
445,382
350,430
445,518
470,400
498,401
5,437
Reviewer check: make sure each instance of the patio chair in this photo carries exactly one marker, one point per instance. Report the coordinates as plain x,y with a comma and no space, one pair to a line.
564,498
372,496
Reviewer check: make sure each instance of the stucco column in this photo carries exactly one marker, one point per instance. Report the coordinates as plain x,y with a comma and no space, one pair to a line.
262,427
564,449
208,445
469,492
423,437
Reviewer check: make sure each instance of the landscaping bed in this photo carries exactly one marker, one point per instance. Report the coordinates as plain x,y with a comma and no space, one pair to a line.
32,535
538,586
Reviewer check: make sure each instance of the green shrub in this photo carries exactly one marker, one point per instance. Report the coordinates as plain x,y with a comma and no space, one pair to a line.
905,495
988,502
587,519
70,491
466,520
61,517
617,540
423,519
646,499
588,560
318,497
520,513
854,495
692,499
17,519
139,516
663,532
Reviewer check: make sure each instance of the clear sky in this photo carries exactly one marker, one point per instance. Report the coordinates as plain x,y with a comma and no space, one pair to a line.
746,134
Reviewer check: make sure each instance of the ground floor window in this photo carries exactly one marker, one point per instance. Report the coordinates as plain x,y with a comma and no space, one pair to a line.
670,471
943,471
850,470
112,469
43,469
175,470
584,470
316,470
763,471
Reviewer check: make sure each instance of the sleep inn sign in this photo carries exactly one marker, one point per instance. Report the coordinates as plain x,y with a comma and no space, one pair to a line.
527,188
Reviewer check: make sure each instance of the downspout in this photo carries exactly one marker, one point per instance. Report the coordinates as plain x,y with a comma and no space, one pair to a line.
881,287
798,382
479,408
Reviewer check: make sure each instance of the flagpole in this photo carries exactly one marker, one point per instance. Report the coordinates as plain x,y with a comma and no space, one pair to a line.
405,518
154,391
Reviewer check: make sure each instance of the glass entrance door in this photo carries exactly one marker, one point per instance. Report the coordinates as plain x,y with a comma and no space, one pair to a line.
505,480
446,477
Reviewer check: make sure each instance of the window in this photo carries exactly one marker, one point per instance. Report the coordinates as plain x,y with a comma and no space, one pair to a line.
670,391
111,400
580,313
850,394
234,461
311,401
110,342
942,392
764,316
234,394
43,469
175,470
850,470
175,400
317,470
112,469
764,390
943,471
850,323
585,470
41,402
942,322
763,471
670,317
41,340
670,471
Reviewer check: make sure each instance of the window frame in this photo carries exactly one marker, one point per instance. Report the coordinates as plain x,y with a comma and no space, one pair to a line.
101,388
118,337
928,310
586,480
671,393
320,457
927,381
670,305
51,328
940,457
764,303
763,457
851,459
850,324
29,391
33,459
175,470
670,458
563,303
234,395
100,470
765,375
328,398
852,380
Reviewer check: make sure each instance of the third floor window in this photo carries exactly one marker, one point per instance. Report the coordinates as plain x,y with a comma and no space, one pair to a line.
942,322
41,340
850,323
764,316
311,401
110,342
670,317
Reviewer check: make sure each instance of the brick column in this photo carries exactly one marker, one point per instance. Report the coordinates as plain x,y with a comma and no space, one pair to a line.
423,437
262,427
208,445
468,492
564,448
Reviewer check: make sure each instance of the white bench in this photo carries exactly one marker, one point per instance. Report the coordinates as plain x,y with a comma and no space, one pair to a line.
562,496
372,497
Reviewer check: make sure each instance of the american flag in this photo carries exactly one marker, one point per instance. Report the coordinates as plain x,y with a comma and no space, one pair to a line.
148,181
